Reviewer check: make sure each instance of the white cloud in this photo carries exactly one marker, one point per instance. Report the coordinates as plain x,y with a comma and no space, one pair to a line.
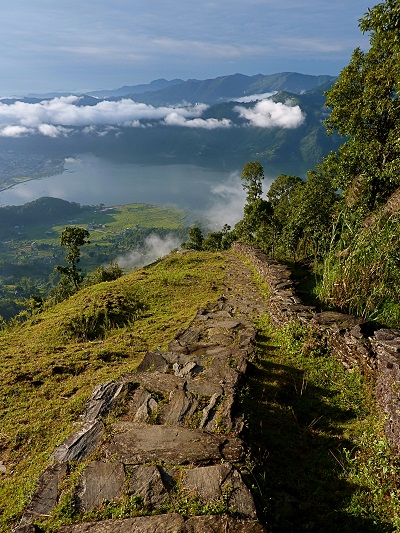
228,202
154,248
253,97
58,116
14,131
175,119
227,205
53,117
270,114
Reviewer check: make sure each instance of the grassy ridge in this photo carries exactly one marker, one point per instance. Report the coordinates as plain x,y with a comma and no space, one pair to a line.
47,372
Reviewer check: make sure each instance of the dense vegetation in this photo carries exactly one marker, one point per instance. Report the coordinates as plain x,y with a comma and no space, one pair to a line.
343,220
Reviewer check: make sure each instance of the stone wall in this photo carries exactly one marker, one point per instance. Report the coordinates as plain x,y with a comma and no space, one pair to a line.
354,342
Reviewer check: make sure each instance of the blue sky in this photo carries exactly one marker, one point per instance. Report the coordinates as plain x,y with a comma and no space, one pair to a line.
59,45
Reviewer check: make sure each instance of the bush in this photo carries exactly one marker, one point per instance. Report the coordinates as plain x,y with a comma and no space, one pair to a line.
110,310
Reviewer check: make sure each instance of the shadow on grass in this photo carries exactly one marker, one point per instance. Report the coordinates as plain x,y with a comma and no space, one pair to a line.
297,444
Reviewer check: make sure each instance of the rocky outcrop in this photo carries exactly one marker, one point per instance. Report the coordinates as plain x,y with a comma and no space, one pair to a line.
176,436
355,343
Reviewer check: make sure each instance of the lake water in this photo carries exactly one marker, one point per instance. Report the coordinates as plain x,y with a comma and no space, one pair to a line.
90,180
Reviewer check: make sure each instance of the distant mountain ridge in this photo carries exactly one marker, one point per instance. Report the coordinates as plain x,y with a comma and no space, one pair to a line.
209,91
219,89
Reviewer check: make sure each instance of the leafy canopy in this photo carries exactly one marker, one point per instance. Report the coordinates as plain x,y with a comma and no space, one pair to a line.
365,108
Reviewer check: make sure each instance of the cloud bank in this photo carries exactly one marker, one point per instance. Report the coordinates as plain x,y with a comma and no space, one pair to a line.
270,114
154,248
59,116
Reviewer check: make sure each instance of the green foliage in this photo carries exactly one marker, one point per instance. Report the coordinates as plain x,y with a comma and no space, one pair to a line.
196,239
295,223
362,269
102,274
252,176
365,108
72,238
99,315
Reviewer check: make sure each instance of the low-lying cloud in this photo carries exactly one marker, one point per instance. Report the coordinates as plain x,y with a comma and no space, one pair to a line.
228,202
154,248
175,119
56,117
270,114
59,116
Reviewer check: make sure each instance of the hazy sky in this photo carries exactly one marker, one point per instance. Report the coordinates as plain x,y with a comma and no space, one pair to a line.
81,45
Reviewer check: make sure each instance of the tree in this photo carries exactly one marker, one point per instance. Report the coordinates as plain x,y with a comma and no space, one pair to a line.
195,239
101,274
365,108
256,209
252,176
72,238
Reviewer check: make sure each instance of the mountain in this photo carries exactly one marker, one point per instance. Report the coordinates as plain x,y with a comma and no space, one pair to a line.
221,89
156,85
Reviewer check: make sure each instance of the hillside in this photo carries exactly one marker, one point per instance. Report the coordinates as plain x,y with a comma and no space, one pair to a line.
304,412
52,369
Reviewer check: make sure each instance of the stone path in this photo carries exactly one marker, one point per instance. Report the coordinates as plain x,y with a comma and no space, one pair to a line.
177,436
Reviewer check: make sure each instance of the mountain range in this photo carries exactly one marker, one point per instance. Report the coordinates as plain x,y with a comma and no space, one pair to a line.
210,91
184,139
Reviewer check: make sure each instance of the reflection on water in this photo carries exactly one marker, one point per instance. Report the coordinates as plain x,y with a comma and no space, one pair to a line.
90,180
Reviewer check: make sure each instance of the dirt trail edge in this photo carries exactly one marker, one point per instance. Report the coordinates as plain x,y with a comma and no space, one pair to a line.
173,446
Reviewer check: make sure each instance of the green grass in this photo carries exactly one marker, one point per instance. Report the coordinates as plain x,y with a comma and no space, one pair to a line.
47,374
319,458
361,272
120,218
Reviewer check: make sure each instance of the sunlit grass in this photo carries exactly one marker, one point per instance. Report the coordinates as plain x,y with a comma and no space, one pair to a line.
46,375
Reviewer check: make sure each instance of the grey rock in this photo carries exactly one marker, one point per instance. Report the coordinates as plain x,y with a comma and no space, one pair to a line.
186,370
160,383
140,443
144,404
222,524
207,411
181,406
153,361
170,523
220,372
204,387
47,493
146,481
80,444
210,483
104,398
100,481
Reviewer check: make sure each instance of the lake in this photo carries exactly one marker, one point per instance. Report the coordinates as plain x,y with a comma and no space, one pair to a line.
92,180
215,195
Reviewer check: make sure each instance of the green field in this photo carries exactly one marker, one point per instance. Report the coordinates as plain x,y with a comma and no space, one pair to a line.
29,252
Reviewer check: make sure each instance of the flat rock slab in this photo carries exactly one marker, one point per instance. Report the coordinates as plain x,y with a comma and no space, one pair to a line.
142,443
146,481
104,399
47,493
210,483
100,481
153,361
171,523
160,383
